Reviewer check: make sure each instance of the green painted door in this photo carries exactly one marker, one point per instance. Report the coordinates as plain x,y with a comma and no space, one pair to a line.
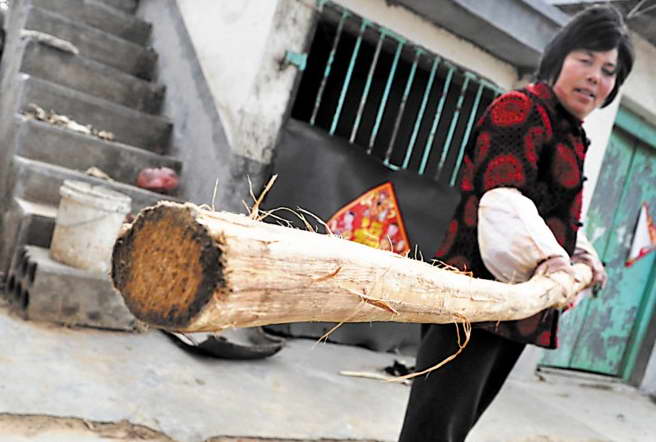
603,335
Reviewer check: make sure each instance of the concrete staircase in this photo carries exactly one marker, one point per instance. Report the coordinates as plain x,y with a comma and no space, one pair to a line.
88,60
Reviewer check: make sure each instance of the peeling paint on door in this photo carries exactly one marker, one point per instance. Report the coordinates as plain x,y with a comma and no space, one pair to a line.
601,335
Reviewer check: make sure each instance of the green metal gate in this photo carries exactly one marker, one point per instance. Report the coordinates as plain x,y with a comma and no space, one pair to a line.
605,335
397,101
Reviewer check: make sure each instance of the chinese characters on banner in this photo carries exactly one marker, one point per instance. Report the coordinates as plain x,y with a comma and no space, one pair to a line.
373,219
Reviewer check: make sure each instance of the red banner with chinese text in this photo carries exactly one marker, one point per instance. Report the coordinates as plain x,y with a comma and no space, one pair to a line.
373,219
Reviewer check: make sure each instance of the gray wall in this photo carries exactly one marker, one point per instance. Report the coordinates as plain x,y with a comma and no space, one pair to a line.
199,139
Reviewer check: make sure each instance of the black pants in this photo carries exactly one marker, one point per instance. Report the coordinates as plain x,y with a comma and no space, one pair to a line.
445,404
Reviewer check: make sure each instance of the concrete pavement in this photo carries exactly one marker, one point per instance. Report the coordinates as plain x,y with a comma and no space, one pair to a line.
561,406
61,384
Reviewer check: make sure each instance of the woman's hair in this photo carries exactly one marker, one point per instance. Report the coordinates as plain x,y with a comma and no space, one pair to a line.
597,28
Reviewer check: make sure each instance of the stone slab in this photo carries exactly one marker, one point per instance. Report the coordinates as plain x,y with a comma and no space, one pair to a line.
40,182
129,6
128,126
101,16
95,44
62,147
90,77
40,288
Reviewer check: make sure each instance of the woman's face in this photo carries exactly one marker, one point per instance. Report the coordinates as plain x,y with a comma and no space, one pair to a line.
586,79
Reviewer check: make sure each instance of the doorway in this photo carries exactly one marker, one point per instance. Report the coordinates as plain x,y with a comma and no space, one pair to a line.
607,334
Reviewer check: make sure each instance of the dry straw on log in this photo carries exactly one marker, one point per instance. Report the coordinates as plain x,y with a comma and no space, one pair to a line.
185,268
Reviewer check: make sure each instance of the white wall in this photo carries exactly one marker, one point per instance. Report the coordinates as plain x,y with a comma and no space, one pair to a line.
240,45
198,138
421,31
261,114
229,38
639,92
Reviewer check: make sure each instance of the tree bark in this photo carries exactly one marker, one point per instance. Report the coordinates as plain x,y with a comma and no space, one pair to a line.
185,268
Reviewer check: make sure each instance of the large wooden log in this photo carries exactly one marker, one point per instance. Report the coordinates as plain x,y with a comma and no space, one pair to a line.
185,268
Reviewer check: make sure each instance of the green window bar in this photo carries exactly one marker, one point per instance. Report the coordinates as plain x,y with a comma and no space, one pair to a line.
470,124
367,87
331,59
347,80
383,102
454,123
420,115
491,86
411,114
404,100
436,120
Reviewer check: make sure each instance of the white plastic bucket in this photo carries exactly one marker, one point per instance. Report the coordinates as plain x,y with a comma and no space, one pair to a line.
88,222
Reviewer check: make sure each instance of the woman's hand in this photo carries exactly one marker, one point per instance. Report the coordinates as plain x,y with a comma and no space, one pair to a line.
559,268
585,253
555,264
599,275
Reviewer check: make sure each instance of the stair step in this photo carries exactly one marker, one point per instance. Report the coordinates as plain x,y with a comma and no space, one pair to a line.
95,44
40,182
44,142
25,223
128,6
42,289
129,126
91,77
101,16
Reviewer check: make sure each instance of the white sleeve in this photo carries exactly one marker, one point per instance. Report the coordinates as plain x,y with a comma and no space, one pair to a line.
512,236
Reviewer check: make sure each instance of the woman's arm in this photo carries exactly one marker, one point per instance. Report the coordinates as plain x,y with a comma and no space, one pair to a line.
514,239
516,243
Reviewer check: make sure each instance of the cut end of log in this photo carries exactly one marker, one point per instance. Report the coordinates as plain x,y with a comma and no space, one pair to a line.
166,266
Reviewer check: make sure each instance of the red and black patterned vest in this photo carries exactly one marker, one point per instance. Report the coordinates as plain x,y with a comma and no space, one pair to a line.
528,141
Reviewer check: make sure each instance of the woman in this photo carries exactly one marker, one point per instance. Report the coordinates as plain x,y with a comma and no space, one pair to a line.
521,187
